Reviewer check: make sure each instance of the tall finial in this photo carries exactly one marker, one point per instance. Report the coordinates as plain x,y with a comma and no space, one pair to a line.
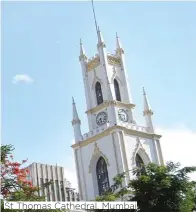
73,102
147,108
94,17
144,93
147,112
119,49
82,56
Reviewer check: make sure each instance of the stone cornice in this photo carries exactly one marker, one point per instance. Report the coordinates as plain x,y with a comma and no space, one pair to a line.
97,151
112,60
108,103
108,132
95,61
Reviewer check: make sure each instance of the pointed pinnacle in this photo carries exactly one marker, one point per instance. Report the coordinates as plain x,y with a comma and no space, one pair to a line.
100,37
73,102
118,42
81,48
144,93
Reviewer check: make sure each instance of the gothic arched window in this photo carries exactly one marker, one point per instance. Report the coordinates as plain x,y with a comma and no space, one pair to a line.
117,90
102,176
98,93
139,162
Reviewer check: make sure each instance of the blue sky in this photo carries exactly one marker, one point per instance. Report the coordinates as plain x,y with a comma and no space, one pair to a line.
41,40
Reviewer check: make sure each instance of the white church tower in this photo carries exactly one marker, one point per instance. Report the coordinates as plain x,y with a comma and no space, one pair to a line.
114,143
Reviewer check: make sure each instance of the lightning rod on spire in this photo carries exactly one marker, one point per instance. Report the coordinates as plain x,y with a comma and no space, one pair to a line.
94,17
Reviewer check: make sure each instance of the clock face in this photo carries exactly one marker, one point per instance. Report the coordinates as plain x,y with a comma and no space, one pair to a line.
101,118
123,116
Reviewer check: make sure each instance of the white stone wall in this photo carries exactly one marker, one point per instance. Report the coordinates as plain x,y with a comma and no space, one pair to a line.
119,150
120,147
89,181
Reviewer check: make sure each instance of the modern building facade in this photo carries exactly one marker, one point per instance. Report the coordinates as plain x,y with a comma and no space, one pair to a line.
115,142
60,188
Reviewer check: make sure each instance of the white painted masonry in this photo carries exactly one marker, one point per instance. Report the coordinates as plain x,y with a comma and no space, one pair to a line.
117,141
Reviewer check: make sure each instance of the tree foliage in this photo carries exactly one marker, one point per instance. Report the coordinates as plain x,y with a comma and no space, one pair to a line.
14,183
157,189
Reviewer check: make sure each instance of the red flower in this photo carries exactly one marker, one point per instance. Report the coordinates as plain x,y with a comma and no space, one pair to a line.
16,170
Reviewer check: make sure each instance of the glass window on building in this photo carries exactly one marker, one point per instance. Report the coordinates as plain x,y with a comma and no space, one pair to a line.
42,186
73,195
62,190
57,190
68,194
53,192
47,190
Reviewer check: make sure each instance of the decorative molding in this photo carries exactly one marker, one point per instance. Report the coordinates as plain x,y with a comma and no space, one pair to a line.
96,79
114,74
93,63
98,107
119,51
148,112
76,122
108,131
138,147
108,103
101,44
82,57
113,60
97,152
121,104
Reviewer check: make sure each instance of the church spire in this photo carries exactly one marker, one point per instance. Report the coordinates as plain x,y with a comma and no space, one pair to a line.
82,52
75,113
76,123
147,112
147,108
100,37
119,49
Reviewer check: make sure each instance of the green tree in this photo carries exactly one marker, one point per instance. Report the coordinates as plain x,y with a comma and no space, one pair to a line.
14,183
157,189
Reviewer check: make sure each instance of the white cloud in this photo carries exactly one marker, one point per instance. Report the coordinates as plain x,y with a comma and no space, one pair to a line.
70,175
22,78
178,145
